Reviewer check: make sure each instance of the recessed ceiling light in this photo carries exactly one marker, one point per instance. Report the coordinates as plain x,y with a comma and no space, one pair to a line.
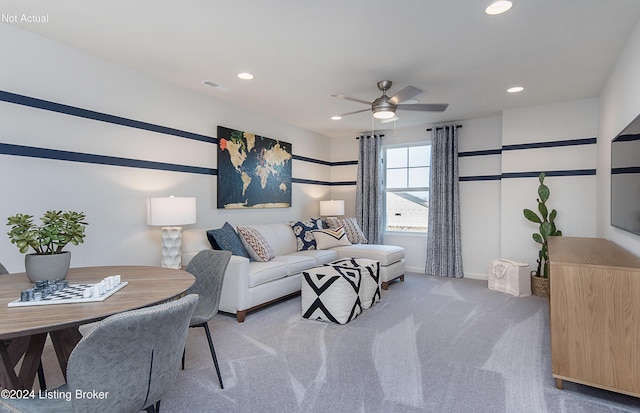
336,117
498,7
515,89
245,76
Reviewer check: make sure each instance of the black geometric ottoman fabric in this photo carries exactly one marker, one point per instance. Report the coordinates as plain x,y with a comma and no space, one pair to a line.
371,282
331,294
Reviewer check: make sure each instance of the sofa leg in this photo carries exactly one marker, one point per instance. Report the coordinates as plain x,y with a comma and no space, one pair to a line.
385,284
240,315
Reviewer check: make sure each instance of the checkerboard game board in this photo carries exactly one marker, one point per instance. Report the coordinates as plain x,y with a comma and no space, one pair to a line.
69,295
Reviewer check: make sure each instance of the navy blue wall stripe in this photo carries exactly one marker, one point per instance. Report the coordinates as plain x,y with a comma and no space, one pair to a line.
305,159
321,162
344,163
627,138
117,120
55,154
534,145
32,152
575,172
102,117
480,153
626,170
533,174
552,144
343,183
480,178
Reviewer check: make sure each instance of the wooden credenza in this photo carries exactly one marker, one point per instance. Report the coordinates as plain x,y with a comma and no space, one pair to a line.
595,314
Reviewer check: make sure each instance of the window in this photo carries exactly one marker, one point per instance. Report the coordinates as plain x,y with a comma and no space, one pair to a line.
406,187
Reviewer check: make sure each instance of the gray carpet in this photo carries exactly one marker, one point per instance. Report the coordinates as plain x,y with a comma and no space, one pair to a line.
431,345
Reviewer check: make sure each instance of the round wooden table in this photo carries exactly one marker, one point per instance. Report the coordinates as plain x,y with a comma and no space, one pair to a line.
23,330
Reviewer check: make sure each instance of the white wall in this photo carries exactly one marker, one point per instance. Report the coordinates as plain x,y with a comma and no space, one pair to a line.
572,196
619,105
113,197
480,199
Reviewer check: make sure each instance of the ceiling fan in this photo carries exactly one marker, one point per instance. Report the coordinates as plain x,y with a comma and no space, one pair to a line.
385,107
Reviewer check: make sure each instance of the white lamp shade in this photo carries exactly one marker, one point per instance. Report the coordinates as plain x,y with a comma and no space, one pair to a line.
171,211
332,208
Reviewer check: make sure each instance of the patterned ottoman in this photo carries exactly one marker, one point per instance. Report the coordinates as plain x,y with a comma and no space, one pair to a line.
331,293
370,271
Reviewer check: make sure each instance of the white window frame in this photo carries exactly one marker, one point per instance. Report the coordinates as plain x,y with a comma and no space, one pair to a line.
386,190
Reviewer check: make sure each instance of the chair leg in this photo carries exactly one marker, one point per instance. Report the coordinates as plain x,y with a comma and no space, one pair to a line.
213,353
153,408
183,352
41,380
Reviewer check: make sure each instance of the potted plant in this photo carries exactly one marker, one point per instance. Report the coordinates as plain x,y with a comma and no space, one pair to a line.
546,228
58,229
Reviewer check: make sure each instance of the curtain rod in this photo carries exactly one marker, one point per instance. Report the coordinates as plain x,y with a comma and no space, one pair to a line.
440,127
368,136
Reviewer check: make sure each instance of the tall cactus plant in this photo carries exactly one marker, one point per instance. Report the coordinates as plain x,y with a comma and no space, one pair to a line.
546,228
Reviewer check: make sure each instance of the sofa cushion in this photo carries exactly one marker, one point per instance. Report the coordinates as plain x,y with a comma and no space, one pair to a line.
296,263
386,254
264,272
256,244
227,239
351,227
304,235
321,257
329,238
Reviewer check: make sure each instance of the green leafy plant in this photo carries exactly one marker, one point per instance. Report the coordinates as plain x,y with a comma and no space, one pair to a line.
57,230
546,226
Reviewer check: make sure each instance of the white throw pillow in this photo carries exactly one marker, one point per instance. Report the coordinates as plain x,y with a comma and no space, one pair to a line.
329,238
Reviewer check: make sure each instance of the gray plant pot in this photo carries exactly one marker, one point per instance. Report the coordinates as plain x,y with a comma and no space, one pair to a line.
47,267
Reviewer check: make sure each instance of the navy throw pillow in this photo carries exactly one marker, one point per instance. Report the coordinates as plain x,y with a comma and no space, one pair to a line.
227,239
304,235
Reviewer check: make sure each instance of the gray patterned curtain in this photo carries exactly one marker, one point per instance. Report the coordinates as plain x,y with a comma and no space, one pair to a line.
369,188
444,253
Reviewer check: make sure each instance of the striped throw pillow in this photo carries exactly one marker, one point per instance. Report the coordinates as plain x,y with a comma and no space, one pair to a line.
256,244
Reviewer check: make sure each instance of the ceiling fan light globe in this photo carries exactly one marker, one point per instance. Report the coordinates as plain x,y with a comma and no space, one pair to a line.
383,114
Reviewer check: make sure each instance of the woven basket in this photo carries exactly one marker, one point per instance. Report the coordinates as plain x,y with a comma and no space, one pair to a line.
540,286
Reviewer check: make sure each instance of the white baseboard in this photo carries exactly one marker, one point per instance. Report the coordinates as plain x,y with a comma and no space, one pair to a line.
476,276
419,270
470,275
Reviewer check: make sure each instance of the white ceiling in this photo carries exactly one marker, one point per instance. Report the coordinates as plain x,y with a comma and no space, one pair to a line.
301,52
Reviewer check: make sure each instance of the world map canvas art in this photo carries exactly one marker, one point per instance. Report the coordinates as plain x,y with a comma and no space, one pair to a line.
253,171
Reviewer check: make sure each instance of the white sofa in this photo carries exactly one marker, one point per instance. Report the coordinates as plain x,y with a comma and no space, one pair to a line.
251,284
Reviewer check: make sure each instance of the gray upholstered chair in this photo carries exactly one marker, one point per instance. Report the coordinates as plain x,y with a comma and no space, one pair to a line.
208,266
3,270
131,357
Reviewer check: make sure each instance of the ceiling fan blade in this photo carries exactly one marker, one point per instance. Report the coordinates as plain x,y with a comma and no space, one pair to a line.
357,111
428,107
404,95
343,97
